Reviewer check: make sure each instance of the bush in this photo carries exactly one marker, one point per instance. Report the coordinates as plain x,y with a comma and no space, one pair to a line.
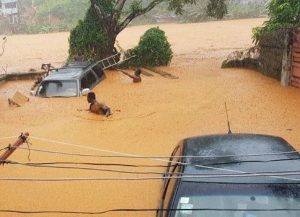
152,50
283,14
87,39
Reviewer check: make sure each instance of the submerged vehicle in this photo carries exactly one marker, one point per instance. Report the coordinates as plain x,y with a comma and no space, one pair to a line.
232,175
71,80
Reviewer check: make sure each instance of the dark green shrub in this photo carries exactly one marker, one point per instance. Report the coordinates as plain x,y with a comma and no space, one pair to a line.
152,50
87,38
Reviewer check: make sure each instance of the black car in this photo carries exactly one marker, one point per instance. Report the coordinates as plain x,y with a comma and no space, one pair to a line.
71,80
233,175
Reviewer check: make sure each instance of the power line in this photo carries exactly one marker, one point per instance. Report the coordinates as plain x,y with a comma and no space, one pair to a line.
142,210
263,173
9,137
154,159
128,155
50,165
106,156
208,176
96,164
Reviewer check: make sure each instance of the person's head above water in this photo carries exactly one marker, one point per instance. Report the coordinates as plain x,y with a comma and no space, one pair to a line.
138,72
91,97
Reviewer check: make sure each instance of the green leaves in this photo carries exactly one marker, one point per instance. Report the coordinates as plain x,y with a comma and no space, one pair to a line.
216,9
153,49
283,14
178,5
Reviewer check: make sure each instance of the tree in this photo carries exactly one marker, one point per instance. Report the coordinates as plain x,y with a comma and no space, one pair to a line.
282,14
152,50
113,16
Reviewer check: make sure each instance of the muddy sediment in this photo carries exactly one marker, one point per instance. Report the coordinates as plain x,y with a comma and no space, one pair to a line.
149,119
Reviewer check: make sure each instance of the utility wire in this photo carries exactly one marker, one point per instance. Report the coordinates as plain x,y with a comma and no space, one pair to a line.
210,164
150,172
154,159
209,176
128,155
50,165
142,210
97,164
9,137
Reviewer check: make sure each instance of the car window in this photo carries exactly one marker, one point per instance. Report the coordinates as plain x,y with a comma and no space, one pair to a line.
90,79
98,70
57,89
237,200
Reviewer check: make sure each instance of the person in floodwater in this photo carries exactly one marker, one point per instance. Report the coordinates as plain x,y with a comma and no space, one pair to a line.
136,77
98,107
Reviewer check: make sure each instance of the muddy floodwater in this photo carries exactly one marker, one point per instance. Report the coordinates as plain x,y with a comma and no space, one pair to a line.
148,118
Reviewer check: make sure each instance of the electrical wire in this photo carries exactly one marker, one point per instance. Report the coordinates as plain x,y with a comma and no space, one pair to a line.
105,156
9,137
142,210
148,172
209,176
98,164
154,159
85,168
128,155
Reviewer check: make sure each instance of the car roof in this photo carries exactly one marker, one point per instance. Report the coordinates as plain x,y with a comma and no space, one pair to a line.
232,147
69,72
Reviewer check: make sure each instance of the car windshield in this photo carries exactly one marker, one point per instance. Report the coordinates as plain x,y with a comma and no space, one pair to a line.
239,201
58,89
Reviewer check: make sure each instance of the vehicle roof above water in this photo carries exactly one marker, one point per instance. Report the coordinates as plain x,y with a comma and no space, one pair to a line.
232,147
71,71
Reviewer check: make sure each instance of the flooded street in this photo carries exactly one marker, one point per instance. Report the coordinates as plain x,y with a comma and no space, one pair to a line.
149,118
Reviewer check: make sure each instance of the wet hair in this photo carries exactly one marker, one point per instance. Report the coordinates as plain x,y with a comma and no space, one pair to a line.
138,72
91,95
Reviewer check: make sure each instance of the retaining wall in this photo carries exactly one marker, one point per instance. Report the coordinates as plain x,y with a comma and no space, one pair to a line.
274,46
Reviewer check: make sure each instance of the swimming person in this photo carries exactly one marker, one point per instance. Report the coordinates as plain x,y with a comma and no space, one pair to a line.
98,107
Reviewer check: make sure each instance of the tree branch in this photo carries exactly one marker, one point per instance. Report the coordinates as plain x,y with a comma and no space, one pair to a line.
137,13
119,5
117,11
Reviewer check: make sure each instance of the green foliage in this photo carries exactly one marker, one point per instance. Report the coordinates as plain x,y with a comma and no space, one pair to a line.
216,8
153,49
87,38
178,5
283,14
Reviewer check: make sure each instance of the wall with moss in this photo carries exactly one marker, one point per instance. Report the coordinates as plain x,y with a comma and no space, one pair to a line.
272,48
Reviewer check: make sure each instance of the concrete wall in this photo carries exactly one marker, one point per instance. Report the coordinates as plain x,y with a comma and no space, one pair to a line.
274,51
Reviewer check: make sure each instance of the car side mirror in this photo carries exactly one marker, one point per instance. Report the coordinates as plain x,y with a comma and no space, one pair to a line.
85,91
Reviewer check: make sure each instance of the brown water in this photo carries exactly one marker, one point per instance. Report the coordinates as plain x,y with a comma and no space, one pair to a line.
149,119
